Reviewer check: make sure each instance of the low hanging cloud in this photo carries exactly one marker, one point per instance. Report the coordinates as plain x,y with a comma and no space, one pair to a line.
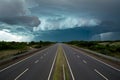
106,36
93,17
65,23
22,20
15,12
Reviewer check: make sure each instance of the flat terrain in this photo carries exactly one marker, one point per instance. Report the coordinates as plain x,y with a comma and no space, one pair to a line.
8,53
39,66
109,48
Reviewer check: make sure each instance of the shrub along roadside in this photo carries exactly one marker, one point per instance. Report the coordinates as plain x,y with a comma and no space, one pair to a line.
10,49
103,47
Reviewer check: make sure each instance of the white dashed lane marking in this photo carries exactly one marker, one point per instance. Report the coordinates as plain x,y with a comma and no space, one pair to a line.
36,61
85,61
41,57
21,74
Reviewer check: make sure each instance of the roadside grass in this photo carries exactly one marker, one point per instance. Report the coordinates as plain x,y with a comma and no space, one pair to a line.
9,50
4,54
109,48
58,68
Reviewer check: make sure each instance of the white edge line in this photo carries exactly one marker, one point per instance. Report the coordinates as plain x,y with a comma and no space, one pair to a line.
23,59
69,66
21,74
98,60
52,65
100,74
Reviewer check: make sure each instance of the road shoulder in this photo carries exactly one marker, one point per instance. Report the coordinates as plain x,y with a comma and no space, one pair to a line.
102,59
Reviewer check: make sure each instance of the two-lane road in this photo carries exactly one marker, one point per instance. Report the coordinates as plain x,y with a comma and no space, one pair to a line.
85,67
35,67
39,66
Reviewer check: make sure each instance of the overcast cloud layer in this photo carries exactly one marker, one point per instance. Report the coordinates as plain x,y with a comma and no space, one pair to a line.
15,12
59,20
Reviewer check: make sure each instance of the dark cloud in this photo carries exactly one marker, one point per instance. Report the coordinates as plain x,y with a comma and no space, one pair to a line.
91,7
15,12
107,11
21,20
64,35
12,8
63,20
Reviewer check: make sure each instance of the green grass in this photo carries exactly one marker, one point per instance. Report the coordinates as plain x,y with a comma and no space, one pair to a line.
58,69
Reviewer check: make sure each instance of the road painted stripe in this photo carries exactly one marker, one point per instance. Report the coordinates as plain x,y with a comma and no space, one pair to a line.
78,56
73,78
98,60
22,60
74,53
105,64
21,74
64,78
44,54
41,57
52,65
85,61
36,61
100,74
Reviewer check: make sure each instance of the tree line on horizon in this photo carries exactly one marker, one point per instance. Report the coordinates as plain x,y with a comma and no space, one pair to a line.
22,45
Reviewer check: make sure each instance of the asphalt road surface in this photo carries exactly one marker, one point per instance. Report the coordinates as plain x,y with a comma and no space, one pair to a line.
35,67
39,66
85,67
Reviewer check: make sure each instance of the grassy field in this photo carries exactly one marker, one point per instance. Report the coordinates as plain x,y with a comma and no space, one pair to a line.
10,49
61,63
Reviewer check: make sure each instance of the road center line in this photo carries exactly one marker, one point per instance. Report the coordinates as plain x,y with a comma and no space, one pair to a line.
52,65
36,61
100,74
73,78
21,74
85,61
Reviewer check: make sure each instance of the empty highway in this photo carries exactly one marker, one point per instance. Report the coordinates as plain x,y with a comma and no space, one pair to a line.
40,65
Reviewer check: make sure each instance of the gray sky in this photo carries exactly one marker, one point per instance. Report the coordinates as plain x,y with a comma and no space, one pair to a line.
59,20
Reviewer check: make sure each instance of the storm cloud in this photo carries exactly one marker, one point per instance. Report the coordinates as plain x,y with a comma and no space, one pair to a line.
66,23
51,19
22,20
16,12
